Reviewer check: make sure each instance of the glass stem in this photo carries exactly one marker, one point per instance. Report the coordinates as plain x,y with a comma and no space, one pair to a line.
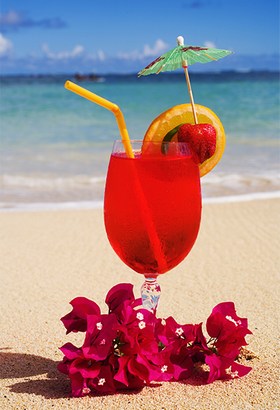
150,293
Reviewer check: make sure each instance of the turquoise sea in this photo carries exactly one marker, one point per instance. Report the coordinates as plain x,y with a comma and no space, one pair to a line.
55,145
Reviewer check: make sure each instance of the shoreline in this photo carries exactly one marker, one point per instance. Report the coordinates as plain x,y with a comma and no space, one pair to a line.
81,205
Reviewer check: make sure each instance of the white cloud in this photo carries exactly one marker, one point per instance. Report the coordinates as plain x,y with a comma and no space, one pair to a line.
101,55
63,55
159,47
5,46
209,44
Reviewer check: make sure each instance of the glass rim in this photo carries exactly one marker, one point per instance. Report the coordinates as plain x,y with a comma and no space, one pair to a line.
165,147
138,141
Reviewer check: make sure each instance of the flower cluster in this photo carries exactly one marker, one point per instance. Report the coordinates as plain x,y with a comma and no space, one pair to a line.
130,347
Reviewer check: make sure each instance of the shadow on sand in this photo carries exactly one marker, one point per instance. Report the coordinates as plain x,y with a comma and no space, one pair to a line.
52,384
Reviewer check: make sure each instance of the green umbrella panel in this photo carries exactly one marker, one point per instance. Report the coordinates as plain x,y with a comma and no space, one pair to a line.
181,57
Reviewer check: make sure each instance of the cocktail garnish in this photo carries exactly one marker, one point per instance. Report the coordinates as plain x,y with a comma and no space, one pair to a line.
165,128
201,139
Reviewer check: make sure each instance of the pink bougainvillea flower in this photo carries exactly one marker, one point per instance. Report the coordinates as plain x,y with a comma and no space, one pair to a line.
227,330
104,382
139,345
224,368
136,368
100,335
126,377
118,295
182,363
71,352
138,326
121,374
78,368
159,365
79,386
76,320
186,344
137,336
171,332
129,347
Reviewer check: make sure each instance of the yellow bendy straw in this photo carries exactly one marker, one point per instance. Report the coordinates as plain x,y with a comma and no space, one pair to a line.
110,106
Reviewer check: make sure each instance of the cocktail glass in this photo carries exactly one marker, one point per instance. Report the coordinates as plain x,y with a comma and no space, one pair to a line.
152,209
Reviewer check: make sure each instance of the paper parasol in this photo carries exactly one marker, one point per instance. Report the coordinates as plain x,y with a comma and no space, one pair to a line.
183,56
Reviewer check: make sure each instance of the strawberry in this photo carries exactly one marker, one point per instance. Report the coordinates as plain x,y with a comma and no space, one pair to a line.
201,139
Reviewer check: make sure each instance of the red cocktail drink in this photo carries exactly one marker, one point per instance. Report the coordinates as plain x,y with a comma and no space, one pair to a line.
152,206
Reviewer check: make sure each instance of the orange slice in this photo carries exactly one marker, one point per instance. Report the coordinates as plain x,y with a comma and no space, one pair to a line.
182,114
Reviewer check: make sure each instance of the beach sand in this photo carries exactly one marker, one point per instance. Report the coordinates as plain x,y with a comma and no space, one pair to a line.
48,258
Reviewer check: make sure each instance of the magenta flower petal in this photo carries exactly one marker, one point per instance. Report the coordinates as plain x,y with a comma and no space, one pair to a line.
238,370
200,339
127,376
64,365
138,369
224,368
224,317
78,372
99,338
182,364
217,367
85,367
227,309
70,351
158,365
104,383
75,321
121,374
118,295
227,330
79,386
169,331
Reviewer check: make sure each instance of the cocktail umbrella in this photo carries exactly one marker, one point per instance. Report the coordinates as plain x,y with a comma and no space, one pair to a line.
183,56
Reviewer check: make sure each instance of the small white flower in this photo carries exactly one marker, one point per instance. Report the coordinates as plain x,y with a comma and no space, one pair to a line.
164,369
179,331
102,342
238,322
86,390
142,325
101,381
140,316
231,373
99,325
163,322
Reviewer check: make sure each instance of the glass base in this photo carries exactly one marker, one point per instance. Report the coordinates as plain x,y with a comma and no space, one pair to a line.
150,294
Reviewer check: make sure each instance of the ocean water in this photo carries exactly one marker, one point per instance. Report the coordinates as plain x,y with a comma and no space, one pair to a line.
55,145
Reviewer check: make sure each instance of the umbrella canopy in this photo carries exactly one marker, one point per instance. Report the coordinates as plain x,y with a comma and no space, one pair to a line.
181,57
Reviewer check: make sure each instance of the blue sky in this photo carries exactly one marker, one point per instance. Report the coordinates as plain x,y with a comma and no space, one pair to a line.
105,36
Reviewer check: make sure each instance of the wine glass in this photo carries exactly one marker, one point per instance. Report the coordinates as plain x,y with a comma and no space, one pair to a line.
152,209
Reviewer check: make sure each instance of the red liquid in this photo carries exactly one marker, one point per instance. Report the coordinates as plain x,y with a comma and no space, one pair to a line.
152,210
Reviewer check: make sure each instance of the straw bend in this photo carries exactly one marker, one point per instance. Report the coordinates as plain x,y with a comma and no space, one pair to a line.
109,106
91,96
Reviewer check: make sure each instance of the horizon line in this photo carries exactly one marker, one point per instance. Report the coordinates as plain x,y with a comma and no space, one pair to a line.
86,73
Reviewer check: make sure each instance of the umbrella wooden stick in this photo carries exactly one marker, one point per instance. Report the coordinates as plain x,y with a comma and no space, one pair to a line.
180,41
190,92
